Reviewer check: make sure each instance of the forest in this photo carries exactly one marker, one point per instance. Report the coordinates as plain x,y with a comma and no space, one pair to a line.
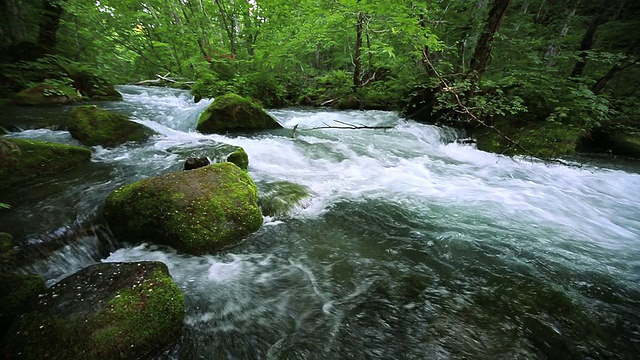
319,179
534,77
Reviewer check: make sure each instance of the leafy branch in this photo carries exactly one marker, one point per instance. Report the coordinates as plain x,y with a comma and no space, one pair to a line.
465,110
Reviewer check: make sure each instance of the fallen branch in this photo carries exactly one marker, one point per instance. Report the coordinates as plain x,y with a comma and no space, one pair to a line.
346,126
445,87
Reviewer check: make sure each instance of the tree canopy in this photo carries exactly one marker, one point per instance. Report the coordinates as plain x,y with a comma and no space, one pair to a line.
568,69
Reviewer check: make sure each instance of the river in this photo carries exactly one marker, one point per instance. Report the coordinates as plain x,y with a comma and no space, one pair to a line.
411,246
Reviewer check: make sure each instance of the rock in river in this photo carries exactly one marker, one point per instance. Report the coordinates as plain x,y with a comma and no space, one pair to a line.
197,211
233,113
106,311
93,126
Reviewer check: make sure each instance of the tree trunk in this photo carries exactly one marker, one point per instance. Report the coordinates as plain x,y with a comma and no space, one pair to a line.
633,58
586,44
426,55
357,82
49,24
228,26
482,54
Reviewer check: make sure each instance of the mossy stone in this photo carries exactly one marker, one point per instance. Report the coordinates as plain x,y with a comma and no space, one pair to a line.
93,126
45,94
17,294
7,251
234,113
279,197
105,311
23,159
240,158
198,211
546,140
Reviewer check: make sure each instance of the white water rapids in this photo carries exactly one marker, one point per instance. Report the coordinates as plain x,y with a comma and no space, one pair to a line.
411,245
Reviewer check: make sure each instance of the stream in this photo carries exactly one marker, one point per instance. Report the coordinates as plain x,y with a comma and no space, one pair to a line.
411,246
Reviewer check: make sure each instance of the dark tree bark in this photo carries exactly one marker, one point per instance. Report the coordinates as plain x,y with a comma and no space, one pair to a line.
633,58
587,40
482,54
585,45
426,55
49,24
357,61
228,23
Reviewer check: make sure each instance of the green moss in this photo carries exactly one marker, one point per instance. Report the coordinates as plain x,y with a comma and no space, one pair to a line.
93,126
240,158
198,211
6,250
17,293
279,197
233,113
106,311
549,139
23,159
46,94
138,315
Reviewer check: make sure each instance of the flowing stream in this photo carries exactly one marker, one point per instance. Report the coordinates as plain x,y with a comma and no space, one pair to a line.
411,246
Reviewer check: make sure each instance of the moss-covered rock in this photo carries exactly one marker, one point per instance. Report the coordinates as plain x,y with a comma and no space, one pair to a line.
546,140
46,94
23,159
106,311
197,211
240,158
94,87
17,294
613,141
94,126
233,113
7,251
279,197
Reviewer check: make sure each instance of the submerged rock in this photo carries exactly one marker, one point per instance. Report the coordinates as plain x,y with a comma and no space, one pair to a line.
106,311
93,126
197,211
45,94
23,159
194,163
233,113
278,198
240,158
7,251
17,294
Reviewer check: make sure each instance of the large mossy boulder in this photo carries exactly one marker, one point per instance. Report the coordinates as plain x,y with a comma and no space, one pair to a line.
106,311
23,159
47,94
94,126
233,113
198,211
17,294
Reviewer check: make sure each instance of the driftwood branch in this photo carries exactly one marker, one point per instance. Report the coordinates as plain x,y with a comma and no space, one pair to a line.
445,87
347,126
162,79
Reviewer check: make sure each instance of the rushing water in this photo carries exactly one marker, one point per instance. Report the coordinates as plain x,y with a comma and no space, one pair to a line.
410,247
